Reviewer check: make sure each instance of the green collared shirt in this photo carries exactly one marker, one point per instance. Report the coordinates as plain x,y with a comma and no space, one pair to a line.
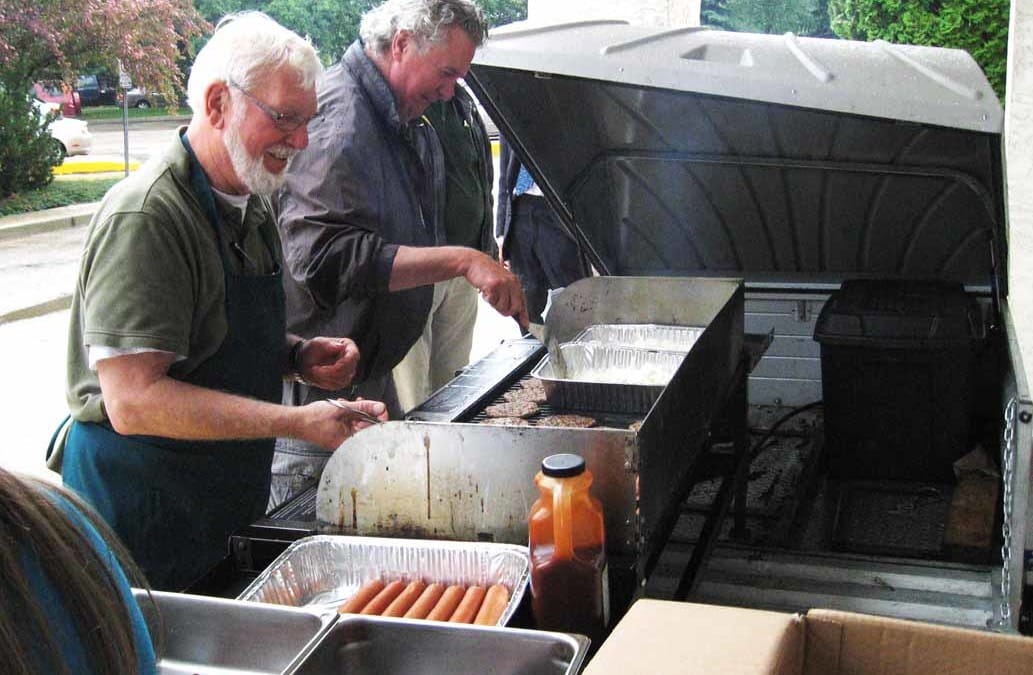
151,276
465,217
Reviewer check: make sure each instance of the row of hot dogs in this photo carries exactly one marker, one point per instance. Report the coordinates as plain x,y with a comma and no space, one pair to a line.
434,602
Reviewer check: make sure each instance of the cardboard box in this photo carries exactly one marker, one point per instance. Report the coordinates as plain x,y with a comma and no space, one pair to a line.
678,637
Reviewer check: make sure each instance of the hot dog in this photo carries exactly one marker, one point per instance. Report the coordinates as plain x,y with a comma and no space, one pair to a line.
384,598
430,596
467,609
447,604
495,601
362,597
405,599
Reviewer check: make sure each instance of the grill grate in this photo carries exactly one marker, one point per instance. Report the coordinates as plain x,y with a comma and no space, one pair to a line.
602,418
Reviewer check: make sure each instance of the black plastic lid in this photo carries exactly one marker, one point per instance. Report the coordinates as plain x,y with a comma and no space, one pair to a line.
899,313
563,466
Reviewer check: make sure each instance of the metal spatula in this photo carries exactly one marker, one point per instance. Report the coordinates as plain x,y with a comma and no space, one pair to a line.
559,365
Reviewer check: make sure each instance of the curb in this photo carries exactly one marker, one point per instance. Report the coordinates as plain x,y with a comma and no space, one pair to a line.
26,224
98,166
57,304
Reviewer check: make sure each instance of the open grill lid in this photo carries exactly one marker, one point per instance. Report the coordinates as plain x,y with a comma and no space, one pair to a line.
779,159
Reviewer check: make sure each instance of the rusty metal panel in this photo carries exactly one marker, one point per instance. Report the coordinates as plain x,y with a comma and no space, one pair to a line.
466,481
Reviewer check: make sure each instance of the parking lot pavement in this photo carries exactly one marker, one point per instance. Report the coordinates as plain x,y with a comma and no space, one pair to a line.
32,398
37,272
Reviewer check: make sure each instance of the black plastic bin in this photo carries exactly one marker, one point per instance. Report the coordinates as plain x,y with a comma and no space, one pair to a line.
896,372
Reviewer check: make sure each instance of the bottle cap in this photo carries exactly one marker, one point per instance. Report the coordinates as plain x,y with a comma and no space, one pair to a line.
563,466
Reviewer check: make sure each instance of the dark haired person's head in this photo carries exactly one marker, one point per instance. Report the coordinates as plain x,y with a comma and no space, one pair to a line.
63,580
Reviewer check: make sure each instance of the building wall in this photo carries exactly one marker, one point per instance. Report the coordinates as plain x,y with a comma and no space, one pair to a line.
1018,141
647,12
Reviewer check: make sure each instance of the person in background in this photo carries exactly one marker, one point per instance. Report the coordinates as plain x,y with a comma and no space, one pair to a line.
444,346
361,212
66,584
177,347
534,243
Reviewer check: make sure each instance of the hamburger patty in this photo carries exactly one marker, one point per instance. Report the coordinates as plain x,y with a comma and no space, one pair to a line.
506,422
512,409
579,421
524,393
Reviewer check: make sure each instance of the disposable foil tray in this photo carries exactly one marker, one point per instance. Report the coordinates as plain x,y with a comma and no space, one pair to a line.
641,336
614,379
323,571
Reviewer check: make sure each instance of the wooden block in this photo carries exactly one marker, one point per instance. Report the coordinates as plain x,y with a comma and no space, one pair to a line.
970,524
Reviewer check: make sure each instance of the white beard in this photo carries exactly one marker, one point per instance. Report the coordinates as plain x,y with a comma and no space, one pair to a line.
250,170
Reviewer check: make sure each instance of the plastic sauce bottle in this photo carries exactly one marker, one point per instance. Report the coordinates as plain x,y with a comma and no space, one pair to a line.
569,587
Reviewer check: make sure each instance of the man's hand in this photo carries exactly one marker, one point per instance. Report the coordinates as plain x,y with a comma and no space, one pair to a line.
329,363
328,426
141,398
500,287
421,265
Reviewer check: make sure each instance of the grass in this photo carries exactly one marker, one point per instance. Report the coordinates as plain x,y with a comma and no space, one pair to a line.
111,112
58,193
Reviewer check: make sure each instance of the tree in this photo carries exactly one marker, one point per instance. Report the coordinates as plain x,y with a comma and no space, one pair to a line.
978,26
501,12
53,39
803,17
332,25
773,16
49,38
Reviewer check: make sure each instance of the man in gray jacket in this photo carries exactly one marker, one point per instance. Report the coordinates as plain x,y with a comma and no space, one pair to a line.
361,211
444,347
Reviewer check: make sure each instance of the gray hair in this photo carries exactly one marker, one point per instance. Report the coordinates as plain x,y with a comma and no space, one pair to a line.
427,20
245,48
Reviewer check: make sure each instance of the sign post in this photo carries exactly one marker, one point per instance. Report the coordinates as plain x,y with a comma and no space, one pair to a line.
125,83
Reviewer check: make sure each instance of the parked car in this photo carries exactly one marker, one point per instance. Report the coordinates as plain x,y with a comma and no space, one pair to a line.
97,89
73,136
143,99
61,94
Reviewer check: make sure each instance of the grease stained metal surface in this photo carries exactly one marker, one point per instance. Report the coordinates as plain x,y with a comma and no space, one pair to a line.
474,482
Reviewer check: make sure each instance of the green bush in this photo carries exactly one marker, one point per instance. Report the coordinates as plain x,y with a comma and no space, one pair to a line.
980,27
28,153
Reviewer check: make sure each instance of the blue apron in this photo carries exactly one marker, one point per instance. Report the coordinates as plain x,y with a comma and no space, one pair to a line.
175,503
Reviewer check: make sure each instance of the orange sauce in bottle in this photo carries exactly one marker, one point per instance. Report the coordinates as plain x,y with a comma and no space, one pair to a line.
569,587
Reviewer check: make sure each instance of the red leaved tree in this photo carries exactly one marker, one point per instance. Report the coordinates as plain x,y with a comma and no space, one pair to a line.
54,39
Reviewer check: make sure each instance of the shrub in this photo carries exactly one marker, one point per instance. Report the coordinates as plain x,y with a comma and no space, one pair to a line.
28,153
62,192
978,26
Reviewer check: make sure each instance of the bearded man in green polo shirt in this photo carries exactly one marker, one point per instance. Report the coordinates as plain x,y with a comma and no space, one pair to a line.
178,344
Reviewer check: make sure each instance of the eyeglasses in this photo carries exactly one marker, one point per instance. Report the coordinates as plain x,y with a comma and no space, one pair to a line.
285,122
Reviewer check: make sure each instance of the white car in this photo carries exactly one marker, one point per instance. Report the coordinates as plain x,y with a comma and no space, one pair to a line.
73,136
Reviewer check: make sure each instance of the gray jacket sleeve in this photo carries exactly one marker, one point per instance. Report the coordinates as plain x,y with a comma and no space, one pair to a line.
350,200
332,245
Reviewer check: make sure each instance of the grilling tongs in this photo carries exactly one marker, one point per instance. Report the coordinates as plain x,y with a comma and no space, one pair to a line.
361,414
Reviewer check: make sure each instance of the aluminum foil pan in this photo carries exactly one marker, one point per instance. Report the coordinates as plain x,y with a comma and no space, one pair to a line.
612,379
641,336
323,571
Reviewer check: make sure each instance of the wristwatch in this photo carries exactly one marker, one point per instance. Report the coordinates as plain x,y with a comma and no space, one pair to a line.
294,359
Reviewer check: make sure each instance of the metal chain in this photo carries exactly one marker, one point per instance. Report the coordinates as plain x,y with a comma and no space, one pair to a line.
1008,462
